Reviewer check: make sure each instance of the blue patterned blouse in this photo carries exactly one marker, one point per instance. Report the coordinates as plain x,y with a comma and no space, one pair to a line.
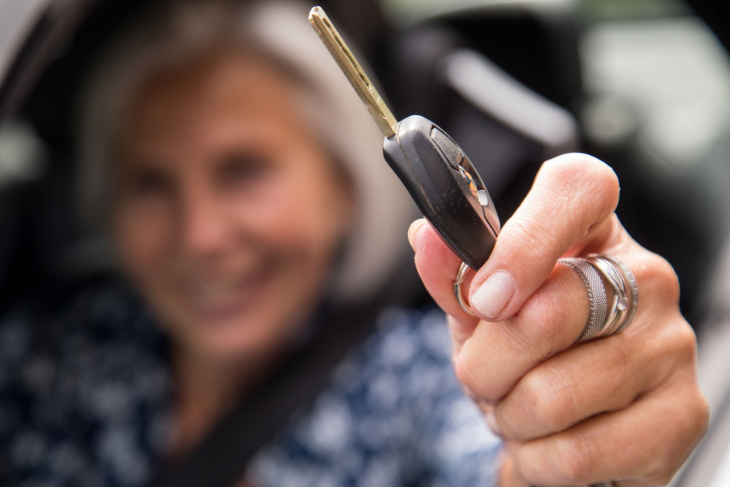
85,401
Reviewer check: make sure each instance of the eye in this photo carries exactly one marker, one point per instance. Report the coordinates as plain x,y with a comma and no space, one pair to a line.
144,183
241,168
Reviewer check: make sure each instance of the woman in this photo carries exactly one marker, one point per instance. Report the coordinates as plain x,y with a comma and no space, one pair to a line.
239,207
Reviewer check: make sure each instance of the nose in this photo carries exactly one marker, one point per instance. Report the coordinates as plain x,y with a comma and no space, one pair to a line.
203,230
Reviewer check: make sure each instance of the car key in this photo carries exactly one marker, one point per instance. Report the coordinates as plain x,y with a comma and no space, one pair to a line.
438,175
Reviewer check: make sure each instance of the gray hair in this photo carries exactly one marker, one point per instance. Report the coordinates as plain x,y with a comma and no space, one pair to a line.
279,30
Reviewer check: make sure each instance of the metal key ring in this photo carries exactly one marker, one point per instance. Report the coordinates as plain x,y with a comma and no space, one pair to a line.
463,269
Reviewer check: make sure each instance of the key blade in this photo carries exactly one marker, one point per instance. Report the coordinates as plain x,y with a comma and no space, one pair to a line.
353,71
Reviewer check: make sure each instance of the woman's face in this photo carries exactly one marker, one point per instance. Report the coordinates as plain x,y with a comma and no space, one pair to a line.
227,211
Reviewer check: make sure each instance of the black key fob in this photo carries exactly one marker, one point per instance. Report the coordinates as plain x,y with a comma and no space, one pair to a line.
436,172
445,186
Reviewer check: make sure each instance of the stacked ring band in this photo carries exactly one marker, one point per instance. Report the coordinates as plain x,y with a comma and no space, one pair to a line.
596,295
624,290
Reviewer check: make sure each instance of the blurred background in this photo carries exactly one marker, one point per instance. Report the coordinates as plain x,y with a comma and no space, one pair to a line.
642,84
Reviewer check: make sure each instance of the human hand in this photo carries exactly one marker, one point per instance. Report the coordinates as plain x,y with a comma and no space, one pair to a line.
625,408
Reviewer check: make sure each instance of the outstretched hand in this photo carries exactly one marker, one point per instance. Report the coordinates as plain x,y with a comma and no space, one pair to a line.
625,408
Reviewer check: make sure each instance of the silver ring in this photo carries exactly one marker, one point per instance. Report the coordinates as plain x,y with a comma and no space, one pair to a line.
605,320
463,269
625,291
596,295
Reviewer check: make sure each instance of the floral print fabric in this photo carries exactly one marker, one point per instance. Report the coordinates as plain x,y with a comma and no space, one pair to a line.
85,401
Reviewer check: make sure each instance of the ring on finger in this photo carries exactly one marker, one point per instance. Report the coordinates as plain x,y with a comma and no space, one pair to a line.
597,296
626,291
595,270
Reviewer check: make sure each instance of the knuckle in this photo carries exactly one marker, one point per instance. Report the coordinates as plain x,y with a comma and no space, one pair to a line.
685,343
674,348
530,470
697,422
552,400
575,459
663,465
464,368
665,462
656,274
696,417
702,415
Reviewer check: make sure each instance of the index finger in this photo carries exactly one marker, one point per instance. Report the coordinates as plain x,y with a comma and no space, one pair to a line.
573,195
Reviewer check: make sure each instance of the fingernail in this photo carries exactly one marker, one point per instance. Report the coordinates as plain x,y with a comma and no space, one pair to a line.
491,297
414,228
491,420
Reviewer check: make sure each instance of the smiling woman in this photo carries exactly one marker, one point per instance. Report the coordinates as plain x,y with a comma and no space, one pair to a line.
227,213
236,203
224,204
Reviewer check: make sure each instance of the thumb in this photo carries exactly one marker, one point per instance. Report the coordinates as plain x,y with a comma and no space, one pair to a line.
570,202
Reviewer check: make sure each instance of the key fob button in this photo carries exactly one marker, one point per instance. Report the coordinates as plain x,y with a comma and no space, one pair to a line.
480,194
483,197
448,147
470,183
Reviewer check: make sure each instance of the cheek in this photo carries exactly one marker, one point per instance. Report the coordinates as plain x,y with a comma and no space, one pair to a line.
142,240
307,214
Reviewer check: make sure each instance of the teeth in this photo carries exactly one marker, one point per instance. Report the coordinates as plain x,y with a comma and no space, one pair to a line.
214,289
